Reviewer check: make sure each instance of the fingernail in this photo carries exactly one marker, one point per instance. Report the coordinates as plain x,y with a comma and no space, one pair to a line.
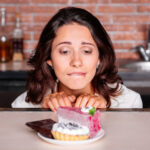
70,97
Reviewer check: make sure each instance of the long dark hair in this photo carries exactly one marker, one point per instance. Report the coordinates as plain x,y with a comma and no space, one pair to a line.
42,77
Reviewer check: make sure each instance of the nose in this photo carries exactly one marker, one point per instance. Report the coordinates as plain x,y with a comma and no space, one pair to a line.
76,60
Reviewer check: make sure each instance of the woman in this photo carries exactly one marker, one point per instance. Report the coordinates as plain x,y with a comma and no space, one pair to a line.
74,65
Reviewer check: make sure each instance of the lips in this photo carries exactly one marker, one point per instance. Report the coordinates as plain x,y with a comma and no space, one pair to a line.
82,74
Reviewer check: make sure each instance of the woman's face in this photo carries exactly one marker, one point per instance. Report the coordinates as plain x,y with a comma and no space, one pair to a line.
74,56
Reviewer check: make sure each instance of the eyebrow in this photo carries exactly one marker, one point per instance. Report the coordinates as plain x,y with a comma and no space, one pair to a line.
87,43
69,43
65,42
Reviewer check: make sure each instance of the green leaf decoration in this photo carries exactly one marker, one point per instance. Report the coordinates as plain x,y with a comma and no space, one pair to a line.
92,111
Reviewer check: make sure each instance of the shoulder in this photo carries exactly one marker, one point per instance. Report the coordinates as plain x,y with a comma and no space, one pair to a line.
127,99
20,102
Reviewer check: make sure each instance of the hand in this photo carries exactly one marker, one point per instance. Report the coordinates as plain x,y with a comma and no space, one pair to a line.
57,99
88,100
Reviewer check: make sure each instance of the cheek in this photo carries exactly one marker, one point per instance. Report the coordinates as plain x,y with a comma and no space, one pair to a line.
60,65
91,68
91,63
92,72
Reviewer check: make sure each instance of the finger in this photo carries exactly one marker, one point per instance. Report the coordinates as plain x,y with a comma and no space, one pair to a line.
103,102
67,101
72,98
78,101
64,100
51,106
55,103
44,102
96,104
91,102
102,105
60,100
45,105
84,101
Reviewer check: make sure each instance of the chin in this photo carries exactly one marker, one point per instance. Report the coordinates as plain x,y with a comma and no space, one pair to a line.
75,84
77,87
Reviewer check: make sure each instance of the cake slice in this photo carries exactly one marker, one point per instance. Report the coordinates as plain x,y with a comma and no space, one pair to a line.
70,132
81,117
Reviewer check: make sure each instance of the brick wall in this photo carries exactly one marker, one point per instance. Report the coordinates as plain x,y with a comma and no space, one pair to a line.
125,20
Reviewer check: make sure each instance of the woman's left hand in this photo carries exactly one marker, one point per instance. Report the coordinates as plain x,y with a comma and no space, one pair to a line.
90,100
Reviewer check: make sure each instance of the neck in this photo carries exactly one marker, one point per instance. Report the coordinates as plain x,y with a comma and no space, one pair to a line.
77,92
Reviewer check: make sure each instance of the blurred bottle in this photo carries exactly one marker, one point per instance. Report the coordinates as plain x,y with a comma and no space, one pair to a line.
17,41
5,44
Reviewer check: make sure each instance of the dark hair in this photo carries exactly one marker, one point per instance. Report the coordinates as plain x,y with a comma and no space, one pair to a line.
42,77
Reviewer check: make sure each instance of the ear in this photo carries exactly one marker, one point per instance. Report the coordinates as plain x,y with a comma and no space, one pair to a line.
49,62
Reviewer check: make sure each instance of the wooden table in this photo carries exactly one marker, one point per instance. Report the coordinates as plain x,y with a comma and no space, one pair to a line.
124,130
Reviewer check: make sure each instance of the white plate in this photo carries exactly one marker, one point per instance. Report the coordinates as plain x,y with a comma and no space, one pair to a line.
59,142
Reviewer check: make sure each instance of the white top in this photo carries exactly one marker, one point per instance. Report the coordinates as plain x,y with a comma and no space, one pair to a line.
128,99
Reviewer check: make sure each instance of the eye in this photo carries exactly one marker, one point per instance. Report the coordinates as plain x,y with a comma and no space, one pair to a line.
87,51
64,51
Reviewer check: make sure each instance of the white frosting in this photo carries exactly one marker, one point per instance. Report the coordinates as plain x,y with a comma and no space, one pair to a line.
70,129
86,109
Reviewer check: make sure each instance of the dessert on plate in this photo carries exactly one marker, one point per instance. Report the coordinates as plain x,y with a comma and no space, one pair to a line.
75,124
70,132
